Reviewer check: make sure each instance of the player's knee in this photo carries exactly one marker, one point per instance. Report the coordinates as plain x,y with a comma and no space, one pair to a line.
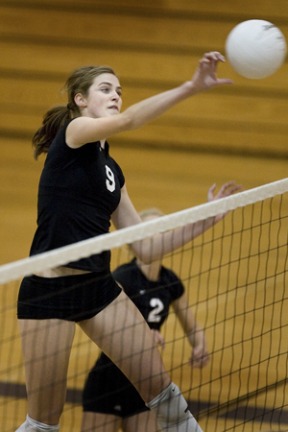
31,425
172,411
170,405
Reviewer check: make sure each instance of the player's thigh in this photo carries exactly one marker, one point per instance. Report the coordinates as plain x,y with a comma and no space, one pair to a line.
144,422
119,329
46,341
46,347
97,422
122,333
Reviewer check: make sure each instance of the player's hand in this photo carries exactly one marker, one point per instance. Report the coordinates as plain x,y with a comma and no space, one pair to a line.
200,355
158,339
225,190
205,75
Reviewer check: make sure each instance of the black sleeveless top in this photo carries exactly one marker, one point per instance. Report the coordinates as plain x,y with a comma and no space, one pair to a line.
79,189
152,298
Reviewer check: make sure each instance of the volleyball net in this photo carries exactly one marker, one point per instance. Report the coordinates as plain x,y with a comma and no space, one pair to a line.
235,279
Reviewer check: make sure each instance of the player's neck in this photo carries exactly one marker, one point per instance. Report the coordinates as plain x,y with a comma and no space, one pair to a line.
151,271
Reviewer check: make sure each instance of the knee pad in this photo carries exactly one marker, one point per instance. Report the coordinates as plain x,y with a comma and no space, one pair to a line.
31,425
172,410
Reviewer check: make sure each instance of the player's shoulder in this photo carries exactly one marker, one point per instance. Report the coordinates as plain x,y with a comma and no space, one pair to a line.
168,272
173,282
125,271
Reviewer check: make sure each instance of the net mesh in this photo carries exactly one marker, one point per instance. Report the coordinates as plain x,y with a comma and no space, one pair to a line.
235,278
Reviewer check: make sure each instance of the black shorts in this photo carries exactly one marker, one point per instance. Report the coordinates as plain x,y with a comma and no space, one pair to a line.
71,298
108,391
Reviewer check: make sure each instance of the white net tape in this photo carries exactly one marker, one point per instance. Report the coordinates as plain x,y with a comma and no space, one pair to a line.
61,256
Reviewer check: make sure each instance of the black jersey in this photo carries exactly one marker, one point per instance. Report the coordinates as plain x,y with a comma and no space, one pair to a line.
152,298
79,189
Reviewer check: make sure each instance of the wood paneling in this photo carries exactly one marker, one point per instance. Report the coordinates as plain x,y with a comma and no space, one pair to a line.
152,46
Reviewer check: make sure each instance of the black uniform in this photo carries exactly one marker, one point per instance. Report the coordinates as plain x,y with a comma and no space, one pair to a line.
79,189
107,390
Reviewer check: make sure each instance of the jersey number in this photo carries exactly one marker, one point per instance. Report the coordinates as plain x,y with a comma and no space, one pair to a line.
155,314
110,180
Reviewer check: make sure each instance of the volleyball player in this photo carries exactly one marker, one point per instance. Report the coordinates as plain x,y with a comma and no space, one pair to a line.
81,190
110,401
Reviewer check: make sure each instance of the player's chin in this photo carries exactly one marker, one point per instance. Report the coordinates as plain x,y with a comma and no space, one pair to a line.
112,111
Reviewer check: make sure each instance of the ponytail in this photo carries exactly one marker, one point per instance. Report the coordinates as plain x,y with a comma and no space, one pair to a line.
52,121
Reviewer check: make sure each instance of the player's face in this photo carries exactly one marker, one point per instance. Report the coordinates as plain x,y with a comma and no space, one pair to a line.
104,97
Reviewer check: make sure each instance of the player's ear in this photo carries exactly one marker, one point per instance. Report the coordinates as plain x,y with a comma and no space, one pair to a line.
80,100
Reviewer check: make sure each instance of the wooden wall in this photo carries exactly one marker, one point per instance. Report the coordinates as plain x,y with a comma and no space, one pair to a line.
153,46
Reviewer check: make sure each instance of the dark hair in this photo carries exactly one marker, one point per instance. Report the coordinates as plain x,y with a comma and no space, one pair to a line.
78,82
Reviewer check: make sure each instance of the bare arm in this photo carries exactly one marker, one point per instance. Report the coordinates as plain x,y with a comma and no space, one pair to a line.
86,129
154,248
193,331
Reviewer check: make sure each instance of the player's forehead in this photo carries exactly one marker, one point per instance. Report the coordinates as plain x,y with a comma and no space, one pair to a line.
106,79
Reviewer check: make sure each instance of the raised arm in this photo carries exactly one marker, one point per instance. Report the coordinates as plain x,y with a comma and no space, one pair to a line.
193,331
154,248
87,129
203,79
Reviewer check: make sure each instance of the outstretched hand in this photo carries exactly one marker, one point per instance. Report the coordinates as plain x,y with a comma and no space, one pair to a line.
205,76
226,190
